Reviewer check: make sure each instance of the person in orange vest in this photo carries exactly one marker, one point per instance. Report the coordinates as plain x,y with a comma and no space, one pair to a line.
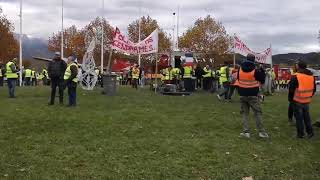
248,82
301,90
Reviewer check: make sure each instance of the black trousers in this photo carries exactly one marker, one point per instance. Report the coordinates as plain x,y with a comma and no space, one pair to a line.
188,84
1,81
303,120
199,82
135,83
206,83
290,111
28,81
54,84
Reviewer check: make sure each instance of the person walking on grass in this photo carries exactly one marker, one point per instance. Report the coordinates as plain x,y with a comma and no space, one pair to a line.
71,80
224,81
56,70
249,81
301,90
12,76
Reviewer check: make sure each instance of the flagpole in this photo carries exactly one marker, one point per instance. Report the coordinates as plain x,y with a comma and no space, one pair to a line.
20,42
139,56
62,29
234,51
271,57
178,16
102,38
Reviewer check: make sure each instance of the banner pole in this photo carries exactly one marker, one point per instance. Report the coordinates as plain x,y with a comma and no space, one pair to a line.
109,61
155,89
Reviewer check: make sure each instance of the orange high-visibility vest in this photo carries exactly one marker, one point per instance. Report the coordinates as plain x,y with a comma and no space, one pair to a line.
247,80
304,92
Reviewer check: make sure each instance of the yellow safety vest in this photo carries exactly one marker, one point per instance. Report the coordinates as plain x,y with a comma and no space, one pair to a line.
223,75
135,73
187,72
10,74
67,74
1,72
33,74
28,73
208,73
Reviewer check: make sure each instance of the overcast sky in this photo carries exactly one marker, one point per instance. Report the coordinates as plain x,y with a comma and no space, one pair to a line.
289,25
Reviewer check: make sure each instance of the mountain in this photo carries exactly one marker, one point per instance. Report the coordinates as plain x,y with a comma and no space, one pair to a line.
34,47
310,58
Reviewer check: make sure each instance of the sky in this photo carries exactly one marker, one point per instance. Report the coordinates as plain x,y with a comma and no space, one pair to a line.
286,25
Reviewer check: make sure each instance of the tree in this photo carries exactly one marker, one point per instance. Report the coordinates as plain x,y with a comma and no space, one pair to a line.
207,37
148,25
9,46
76,41
73,42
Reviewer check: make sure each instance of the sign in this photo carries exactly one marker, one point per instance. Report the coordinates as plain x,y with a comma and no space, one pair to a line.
147,46
264,57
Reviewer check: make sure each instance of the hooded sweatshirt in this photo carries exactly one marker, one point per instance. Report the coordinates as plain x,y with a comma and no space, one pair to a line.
294,84
260,75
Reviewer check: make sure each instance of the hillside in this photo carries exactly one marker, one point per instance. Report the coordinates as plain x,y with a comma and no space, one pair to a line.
34,47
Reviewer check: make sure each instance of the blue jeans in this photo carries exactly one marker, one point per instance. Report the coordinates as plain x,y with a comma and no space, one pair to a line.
301,113
72,93
225,92
12,87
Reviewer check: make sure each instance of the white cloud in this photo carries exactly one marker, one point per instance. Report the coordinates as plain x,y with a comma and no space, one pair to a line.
289,25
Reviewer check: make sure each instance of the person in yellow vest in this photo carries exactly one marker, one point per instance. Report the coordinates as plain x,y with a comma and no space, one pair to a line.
12,76
28,74
33,77
39,77
135,76
168,75
45,77
301,90
71,80
224,81
248,82
1,75
207,78
176,73
187,78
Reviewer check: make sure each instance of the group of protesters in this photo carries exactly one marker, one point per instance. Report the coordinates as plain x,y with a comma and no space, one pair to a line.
248,79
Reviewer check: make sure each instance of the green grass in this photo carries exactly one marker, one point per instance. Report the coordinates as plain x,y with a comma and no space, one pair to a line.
141,135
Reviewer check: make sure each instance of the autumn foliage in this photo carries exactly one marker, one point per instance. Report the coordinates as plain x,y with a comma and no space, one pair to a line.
9,46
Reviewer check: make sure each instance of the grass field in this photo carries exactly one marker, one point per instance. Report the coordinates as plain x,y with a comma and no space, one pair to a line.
141,135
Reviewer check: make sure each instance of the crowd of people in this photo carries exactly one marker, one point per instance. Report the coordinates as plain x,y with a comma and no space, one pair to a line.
248,79
58,74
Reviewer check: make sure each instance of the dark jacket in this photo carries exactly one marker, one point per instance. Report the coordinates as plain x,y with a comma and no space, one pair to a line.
259,75
294,84
199,72
56,68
